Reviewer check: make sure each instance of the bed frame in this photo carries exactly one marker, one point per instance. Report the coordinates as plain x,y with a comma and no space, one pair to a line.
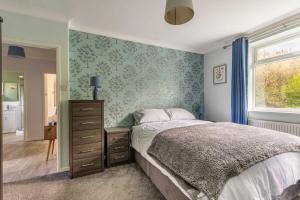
169,190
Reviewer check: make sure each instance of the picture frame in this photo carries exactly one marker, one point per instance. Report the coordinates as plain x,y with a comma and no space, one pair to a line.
220,74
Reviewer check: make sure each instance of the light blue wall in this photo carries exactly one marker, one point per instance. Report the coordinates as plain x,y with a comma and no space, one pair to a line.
217,96
134,76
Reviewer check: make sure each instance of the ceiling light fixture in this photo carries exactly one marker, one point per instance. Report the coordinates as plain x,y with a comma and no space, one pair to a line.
179,11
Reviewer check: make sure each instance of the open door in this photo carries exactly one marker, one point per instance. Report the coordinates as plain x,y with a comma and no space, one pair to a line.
50,106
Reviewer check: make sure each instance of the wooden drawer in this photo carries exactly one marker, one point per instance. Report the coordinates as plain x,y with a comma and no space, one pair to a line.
87,150
88,164
86,109
87,136
118,138
86,123
118,147
118,157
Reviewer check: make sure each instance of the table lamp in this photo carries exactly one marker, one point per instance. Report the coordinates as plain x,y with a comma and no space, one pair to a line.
95,82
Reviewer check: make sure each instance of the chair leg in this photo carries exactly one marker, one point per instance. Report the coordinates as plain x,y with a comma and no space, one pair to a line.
53,142
49,146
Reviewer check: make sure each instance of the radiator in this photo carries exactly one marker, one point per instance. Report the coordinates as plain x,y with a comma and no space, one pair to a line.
277,126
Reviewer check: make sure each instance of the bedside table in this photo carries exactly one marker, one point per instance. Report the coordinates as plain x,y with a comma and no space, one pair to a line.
117,142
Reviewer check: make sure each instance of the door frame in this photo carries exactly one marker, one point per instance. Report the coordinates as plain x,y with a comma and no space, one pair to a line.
59,104
1,142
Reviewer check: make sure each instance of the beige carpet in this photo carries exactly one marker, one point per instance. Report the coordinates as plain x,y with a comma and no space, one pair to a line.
126,182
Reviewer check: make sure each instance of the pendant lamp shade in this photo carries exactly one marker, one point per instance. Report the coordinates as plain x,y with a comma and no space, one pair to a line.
179,11
16,51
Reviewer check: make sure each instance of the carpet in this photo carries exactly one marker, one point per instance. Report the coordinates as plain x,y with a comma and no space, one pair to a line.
126,182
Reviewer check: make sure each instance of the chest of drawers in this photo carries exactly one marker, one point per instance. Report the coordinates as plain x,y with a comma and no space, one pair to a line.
86,137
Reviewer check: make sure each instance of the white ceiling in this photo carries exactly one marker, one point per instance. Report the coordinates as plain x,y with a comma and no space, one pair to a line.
215,21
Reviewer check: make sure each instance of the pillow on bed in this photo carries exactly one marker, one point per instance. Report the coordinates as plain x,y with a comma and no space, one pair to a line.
150,115
179,114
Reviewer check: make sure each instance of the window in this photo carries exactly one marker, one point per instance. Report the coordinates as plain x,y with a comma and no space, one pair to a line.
276,76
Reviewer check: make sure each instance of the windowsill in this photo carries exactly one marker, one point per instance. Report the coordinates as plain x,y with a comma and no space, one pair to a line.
275,115
276,110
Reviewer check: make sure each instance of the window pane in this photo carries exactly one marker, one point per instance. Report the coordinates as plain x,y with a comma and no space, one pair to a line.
279,49
277,85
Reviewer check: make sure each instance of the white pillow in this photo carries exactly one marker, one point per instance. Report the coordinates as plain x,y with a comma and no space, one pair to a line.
150,115
179,114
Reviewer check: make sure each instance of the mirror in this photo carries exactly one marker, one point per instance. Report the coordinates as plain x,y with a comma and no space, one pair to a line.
10,91
12,85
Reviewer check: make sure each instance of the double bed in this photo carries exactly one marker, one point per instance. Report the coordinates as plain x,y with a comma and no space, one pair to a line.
265,180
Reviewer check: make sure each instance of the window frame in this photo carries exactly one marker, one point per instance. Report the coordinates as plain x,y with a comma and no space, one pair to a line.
253,62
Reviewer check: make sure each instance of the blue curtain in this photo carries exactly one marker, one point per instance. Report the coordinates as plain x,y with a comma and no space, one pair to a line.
239,87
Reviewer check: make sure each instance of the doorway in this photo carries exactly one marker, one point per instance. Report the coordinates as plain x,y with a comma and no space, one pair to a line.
26,139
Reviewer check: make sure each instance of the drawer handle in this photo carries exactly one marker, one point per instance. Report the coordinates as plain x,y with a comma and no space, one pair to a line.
119,157
87,151
87,109
86,123
86,137
121,147
87,165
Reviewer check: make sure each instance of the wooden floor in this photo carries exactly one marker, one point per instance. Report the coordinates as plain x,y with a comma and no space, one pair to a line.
24,160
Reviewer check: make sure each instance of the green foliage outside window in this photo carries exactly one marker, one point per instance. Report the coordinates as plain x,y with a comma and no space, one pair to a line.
277,84
292,92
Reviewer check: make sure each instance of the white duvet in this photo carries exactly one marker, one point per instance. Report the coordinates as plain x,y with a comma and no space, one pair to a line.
263,181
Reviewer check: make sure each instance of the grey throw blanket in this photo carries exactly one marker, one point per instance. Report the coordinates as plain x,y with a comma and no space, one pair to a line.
206,156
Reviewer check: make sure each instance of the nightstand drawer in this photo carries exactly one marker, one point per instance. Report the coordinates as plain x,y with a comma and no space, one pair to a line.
86,109
117,142
86,123
88,164
118,147
87,136
119,157
87,150
118,138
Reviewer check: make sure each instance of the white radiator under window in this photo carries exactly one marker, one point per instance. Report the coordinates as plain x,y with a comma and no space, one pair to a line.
278,126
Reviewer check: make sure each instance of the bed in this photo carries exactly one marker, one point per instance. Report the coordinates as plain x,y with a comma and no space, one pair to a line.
265,180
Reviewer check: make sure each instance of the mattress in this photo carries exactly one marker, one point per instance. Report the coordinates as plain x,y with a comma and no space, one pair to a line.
265,180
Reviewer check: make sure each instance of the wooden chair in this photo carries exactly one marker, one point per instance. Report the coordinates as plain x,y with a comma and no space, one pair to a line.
50,134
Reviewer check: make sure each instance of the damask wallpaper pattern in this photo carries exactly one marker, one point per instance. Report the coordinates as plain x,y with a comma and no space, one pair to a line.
134,76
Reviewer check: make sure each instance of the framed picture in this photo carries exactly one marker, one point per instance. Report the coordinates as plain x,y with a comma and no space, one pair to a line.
220,74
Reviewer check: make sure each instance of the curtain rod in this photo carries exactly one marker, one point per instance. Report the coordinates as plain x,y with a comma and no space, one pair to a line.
275,28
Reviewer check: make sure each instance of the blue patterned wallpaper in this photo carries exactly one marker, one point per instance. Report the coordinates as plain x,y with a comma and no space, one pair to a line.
134,76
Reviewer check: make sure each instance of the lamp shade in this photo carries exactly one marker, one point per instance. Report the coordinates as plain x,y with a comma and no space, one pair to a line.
95,81
179,11
16,51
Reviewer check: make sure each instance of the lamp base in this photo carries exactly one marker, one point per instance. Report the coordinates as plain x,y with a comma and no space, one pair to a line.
95,94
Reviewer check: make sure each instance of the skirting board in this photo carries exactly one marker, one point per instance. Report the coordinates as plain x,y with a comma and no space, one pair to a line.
169,190
64,169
